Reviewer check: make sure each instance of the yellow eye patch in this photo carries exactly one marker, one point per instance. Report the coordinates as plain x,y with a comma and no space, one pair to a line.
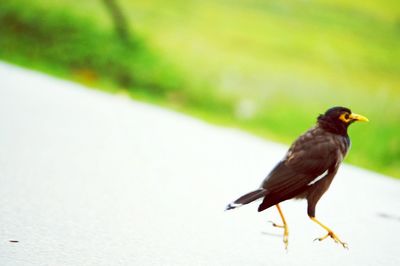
345,117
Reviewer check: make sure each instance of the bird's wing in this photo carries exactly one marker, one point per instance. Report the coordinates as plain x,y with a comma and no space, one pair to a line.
310,156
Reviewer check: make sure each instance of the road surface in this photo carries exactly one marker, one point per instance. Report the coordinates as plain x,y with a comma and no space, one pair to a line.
89,178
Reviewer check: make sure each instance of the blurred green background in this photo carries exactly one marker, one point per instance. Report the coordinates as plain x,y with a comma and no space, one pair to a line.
269,67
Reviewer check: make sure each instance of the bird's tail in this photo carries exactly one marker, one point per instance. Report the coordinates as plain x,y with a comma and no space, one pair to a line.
247,198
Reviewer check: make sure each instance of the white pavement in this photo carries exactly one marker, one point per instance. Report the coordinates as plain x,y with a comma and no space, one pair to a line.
88,178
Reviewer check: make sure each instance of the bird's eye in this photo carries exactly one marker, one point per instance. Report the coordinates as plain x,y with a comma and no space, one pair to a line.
346,116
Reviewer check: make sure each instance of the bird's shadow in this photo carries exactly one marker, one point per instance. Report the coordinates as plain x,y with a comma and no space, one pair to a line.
389,216
271,234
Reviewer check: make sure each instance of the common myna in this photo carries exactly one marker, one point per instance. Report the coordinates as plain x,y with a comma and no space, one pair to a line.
307,169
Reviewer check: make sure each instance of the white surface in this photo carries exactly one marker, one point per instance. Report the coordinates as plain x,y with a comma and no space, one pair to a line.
94,179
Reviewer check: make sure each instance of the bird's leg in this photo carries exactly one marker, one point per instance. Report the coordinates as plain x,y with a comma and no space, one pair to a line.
283,219
330,233
284,226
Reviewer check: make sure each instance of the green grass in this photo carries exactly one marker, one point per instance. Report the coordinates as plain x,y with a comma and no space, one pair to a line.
269,67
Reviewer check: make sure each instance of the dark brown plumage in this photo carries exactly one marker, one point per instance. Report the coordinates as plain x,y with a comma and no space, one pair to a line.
308,167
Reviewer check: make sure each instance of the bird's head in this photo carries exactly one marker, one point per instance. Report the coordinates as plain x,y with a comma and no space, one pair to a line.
337,119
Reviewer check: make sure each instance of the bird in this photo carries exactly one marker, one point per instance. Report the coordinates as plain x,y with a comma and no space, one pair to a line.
307,169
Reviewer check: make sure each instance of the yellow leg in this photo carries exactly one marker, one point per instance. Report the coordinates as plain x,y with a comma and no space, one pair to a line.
330,233
284,226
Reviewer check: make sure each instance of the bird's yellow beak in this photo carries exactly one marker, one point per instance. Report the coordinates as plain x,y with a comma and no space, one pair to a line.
357,117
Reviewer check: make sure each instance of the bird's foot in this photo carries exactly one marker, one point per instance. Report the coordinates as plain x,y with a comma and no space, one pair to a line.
285,233
276,225
286,237
334,237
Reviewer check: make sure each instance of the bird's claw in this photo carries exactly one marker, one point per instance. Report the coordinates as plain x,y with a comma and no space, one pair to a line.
286,241
334,237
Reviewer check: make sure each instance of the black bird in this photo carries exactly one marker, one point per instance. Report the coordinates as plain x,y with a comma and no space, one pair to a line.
307,169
